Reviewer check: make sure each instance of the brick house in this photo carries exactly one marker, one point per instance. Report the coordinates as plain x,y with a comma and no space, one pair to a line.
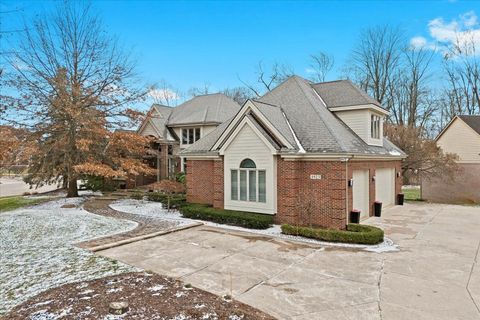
306,153
461,137
175,128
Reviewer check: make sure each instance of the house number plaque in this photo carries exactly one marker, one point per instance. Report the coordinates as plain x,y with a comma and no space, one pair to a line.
315,177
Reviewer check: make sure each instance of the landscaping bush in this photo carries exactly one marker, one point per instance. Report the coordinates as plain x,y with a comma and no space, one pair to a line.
137,195
95,183
355,233
176,201
234,218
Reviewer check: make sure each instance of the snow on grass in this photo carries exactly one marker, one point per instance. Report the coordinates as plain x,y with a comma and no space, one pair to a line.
154,209
37,249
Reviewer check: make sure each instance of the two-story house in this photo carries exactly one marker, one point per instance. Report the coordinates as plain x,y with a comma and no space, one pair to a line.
306,153
175,128
461,137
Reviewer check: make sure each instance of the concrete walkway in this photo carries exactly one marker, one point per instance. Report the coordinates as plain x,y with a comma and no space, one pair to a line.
16,187
434,276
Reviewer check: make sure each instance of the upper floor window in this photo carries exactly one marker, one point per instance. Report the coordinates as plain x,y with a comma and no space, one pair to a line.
248,183
190,135
375,122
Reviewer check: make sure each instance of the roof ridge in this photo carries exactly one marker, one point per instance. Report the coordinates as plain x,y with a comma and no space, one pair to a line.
268,104
339,80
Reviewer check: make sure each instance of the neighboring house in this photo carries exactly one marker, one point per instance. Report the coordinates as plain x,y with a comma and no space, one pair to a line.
306,153
175,128
462,137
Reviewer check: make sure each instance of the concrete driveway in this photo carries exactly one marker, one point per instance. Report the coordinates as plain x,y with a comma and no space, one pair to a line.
435,275
16,187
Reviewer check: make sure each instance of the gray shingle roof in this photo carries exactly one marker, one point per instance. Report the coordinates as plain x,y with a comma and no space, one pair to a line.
317,129
210,108
343,93
472,121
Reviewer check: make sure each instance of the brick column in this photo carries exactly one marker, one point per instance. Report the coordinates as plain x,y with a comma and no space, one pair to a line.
218,183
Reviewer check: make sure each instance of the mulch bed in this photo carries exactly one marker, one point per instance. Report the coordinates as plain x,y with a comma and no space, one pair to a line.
146,225
149,296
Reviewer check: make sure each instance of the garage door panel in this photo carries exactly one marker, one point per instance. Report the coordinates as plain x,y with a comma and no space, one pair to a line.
361,192
385,186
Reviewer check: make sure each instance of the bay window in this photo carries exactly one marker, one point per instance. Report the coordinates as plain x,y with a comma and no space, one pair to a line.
248,183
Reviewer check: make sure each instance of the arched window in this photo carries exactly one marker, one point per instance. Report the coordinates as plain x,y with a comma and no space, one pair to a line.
248,182
247,163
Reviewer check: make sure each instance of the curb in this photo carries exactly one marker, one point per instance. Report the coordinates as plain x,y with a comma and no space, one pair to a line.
140,238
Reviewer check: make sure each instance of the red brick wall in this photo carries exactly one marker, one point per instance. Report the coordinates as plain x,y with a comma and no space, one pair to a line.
464,188
371,166
218,183
297,194
200,181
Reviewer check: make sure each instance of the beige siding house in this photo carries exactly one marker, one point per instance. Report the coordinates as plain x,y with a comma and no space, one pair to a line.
461,137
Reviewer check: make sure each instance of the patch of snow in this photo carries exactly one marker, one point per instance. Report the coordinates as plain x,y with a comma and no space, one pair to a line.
210,315
86,292
38,252
149,208
199,306
395,153
112,290
179,294
42,303
235,317
156,288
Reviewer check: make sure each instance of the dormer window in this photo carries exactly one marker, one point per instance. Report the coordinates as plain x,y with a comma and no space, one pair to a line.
190,135
375,122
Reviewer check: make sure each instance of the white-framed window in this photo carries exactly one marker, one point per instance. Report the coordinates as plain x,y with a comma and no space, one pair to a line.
375,122
190,135
248,183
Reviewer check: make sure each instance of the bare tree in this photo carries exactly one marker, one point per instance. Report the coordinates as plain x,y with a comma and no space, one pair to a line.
375,61
75,86
267,80
198,91
462,69
238,94
412,102
165,94
321,64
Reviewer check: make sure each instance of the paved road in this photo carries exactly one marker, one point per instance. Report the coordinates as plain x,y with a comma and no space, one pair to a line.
435,275
16,187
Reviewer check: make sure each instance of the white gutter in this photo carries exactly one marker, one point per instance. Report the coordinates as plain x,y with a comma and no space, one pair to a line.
300,147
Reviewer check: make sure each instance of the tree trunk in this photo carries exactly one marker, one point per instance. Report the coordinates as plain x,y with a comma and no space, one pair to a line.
72,188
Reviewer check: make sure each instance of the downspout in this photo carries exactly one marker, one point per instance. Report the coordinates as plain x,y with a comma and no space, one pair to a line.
346,185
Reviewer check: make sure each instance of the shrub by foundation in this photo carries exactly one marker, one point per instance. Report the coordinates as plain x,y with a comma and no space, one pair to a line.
234,218
176,201
355,233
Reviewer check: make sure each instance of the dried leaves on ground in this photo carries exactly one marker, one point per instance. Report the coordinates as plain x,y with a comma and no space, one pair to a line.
149,296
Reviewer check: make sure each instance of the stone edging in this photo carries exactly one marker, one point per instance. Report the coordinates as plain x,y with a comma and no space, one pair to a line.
143,237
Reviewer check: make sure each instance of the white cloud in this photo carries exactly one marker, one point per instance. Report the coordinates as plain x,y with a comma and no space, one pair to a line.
163,94
418,42
463,31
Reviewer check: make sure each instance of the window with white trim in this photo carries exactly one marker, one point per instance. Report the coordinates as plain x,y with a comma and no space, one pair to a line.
190,135
248,183
375,122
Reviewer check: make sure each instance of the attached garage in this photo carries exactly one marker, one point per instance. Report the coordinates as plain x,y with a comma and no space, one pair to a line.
385,186
361,192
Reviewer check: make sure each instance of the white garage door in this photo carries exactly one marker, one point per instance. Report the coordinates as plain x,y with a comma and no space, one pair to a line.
360,192
385,186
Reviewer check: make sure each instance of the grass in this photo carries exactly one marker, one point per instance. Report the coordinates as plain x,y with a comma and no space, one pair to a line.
235,218
355,233
12,203
412,194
